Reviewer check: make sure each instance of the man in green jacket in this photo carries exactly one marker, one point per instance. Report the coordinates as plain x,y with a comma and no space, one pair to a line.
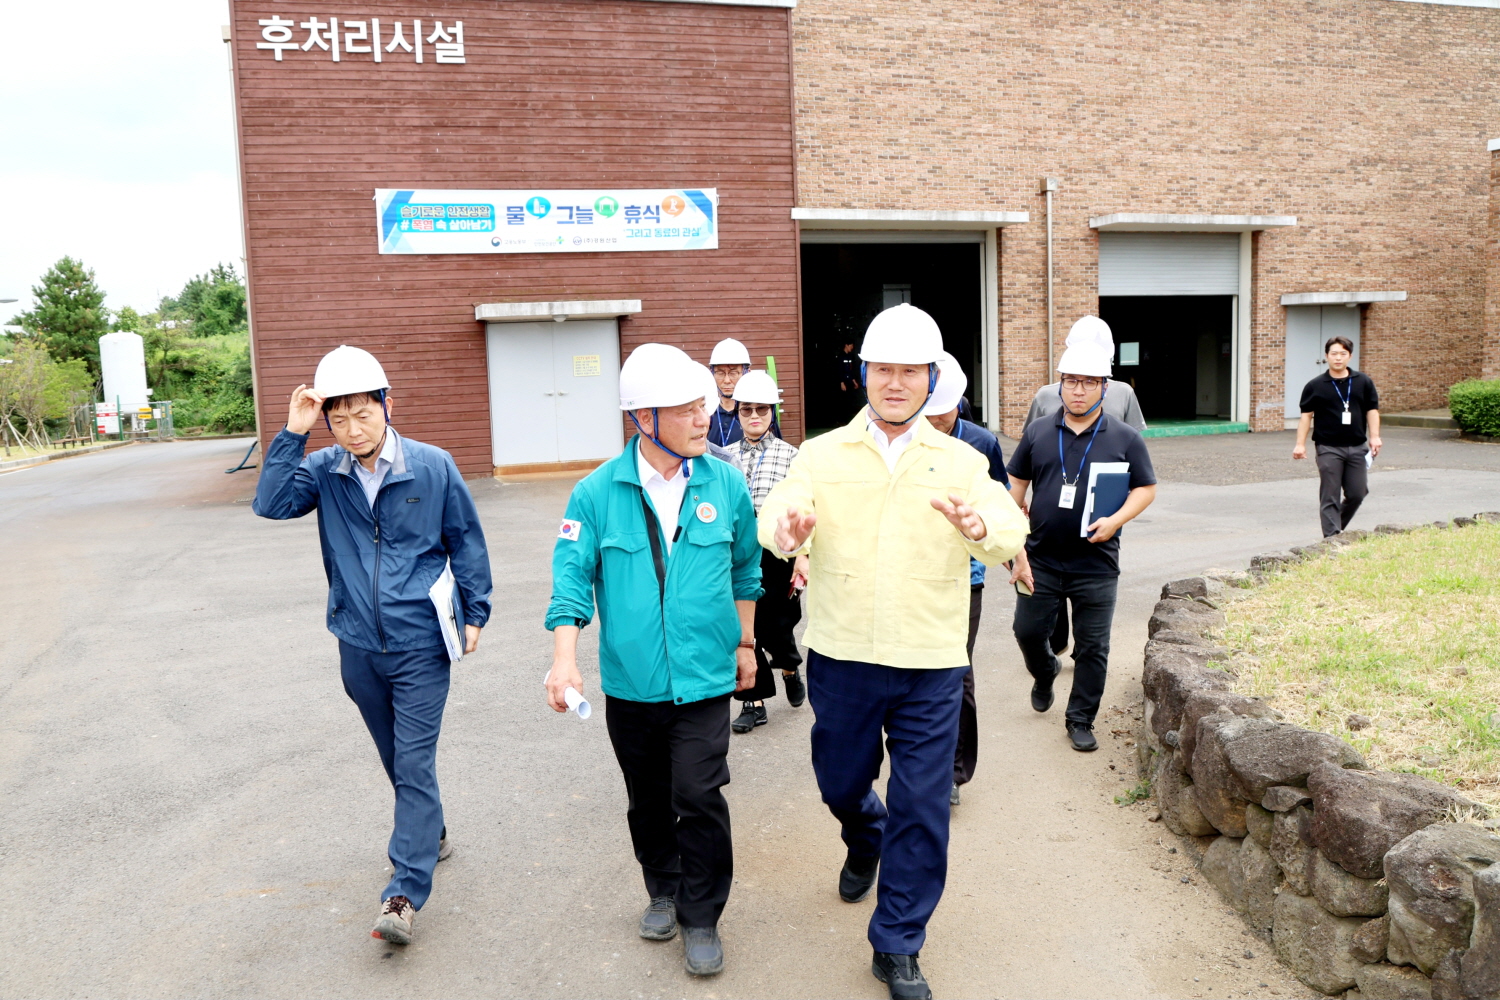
662,540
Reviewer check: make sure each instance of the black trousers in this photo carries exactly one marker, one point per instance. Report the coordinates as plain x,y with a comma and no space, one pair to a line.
1343,484
673,760
967,754
776,615
1093,600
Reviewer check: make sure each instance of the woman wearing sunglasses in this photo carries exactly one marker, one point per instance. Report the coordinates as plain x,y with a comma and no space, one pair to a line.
765,458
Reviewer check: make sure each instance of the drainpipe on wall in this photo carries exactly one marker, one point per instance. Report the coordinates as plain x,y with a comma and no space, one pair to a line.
1049,185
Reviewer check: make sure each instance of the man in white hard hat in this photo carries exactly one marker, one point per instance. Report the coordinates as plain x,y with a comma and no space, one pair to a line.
1089,473
729,362
942,412
1119,402
661,542
394,517
889,511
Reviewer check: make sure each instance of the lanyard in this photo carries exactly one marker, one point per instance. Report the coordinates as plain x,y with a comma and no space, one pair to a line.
719,423
1063,459
1344,396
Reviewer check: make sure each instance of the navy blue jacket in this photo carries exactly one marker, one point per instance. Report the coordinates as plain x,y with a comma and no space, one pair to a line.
984,442
724,428
381,562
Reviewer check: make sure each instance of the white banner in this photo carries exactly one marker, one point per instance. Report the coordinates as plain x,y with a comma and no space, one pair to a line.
547,221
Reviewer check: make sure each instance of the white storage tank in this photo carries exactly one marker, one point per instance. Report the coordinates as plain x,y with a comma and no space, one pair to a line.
122,360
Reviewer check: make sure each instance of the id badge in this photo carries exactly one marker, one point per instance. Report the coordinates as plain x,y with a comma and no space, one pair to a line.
1348,417
1065,498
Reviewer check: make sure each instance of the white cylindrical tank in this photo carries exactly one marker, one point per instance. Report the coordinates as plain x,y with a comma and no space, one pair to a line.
122,359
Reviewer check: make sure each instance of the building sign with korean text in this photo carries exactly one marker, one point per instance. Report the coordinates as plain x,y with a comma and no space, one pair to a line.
547,221
337,39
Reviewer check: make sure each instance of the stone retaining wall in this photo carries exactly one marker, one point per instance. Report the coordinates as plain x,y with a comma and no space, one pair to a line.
1362,879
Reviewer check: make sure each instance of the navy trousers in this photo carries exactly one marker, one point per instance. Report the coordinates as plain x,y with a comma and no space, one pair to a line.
918,711
401,697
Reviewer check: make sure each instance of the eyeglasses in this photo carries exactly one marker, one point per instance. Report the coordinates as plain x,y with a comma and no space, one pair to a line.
757,410
1082,383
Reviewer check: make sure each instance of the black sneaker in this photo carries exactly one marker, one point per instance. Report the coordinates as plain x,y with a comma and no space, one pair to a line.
1082,735
659,922
953,796
1041,694
901,975
753,715
857,878
796,691
702,953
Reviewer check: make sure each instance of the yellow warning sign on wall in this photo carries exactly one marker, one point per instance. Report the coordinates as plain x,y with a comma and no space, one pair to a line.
586,365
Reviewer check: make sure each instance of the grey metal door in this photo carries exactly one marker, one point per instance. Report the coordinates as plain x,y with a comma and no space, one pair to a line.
554,391
1307,330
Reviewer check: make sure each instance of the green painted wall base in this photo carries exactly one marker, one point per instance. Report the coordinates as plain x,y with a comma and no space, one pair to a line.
1184,428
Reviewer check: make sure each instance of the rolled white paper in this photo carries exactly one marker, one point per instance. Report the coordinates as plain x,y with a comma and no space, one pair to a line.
577,703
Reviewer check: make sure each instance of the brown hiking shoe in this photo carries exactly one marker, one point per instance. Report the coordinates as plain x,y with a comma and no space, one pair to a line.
395,920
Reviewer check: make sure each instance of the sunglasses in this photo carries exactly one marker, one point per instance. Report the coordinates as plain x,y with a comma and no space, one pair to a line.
756,410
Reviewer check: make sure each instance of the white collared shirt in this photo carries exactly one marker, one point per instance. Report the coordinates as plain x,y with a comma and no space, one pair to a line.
891,448
371,480
665,494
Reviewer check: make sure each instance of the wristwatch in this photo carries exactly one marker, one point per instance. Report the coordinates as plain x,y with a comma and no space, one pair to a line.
747,643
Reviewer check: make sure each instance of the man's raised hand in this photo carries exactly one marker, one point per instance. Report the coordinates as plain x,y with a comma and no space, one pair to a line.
962,516
793,529
303,413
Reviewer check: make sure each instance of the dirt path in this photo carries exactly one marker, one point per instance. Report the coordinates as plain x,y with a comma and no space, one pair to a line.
193,808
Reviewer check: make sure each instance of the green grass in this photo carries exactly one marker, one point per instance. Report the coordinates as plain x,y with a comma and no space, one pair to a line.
1403,629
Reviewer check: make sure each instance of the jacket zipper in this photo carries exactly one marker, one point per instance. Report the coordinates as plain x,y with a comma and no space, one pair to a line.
379,626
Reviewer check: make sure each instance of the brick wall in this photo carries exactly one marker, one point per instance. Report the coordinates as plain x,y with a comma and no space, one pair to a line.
1492,288
554,94
1366,119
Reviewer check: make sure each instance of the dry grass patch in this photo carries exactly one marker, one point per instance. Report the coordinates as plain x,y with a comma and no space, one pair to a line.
1401,629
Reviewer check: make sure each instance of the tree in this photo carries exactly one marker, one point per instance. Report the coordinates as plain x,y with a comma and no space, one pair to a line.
36,389
211,304
69,317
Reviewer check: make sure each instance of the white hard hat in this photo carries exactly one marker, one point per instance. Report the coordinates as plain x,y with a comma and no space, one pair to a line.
346,370
659,375
757,387
729,352
952,384
902,335
1086,360
1091,330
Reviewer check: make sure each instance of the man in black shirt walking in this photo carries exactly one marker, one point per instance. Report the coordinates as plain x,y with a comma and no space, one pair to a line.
1342,409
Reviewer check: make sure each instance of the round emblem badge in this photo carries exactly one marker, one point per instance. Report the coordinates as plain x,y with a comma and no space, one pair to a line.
706,513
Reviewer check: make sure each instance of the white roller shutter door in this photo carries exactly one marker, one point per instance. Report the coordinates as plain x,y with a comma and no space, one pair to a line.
1169,263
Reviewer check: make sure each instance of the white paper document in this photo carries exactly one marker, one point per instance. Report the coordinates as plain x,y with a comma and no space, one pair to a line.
445,602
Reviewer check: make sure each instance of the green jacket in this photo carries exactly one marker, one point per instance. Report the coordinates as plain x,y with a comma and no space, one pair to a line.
680,649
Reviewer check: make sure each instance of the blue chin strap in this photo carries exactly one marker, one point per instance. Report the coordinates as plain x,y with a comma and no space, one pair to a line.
932,377
378,394
655,423
1103,392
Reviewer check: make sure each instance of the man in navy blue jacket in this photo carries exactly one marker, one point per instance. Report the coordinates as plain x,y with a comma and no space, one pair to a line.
393,515
942,412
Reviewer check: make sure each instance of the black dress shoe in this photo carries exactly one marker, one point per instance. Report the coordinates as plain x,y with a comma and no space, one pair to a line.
902,975
752,716
702,953
857,878
1082,735
796,691
659,922
1041,693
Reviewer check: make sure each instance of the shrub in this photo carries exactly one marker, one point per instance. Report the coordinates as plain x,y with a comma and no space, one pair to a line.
1475,404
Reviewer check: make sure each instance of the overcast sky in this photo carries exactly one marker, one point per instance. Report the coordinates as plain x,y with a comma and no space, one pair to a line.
116,145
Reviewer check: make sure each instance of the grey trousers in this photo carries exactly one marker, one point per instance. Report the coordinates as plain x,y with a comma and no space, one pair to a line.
1341,469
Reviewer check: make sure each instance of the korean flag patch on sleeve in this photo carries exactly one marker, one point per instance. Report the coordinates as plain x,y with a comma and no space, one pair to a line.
570,530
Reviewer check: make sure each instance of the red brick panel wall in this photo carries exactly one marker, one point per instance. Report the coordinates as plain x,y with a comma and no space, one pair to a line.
554,93
1492,284
1366,120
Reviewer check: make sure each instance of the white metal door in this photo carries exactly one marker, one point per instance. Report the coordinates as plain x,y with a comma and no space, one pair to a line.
523,408
1307,330
586,379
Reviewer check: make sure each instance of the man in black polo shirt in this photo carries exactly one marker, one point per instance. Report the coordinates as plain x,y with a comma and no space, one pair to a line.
1340,406
1073,554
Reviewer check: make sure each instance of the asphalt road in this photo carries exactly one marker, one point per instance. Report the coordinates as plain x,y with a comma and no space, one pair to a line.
192,806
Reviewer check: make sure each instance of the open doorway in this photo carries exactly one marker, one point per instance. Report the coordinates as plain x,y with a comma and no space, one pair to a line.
1176,351
844,285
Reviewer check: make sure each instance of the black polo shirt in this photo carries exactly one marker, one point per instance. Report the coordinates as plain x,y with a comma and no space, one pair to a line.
1323,397
1055,543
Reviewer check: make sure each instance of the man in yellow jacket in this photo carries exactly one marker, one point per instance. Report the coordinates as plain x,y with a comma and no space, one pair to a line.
889,510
